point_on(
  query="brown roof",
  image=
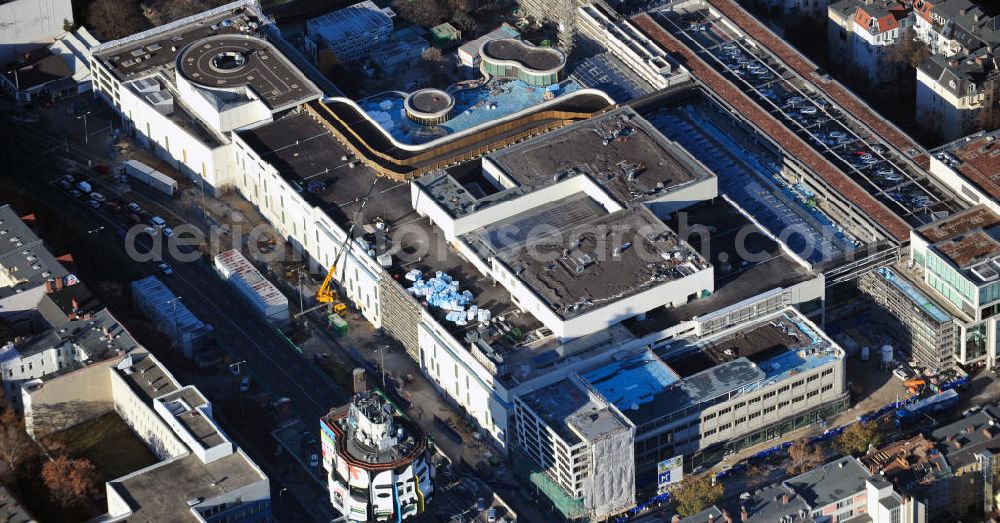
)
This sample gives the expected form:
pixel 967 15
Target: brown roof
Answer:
pixel 807 69
pixel 966 251
pixel 974 218
pixel 981 163
pixel 833 176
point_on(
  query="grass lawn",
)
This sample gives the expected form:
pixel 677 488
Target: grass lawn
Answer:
pixel 110 444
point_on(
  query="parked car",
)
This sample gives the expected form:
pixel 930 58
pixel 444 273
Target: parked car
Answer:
pixel 157 222
pixel 168 232
pixel 309 438
pixel 314 460
pixel 94 204
pixel 75 193
pixel 901 374
pixel 165 269
pixel 245 384
pixel 97 197
pixel 134 207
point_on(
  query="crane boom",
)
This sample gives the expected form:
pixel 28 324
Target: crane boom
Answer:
pixel 326 293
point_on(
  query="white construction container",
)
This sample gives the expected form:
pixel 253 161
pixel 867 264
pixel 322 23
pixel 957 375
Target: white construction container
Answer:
pixel 150 176
pixel 260 293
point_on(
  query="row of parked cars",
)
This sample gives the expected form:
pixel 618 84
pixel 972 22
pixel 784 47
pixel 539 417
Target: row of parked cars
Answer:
pixel 81 187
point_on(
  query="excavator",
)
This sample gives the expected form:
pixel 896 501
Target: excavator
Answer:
pixel 914 386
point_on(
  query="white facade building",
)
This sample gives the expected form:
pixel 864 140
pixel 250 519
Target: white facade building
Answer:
pixel 181 88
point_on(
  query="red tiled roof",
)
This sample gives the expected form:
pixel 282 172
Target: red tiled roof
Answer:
pixel 833 176
pixel 807 69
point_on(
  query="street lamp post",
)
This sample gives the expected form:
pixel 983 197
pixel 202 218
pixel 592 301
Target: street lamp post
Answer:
pixel 86 133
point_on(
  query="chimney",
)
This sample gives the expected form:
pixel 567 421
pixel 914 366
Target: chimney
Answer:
pixel 953 63
pixel 59 283
pixel 744 514
pixel 76 304
pixel 987 433
pixel 711 518
pixel 958 444
pixel 784 499
pixel 726 516
pixel 50 285
pixel 675 519
pixel 360 383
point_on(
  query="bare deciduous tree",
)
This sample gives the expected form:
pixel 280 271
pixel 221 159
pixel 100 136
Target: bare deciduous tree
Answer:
pixel 70 481
pixel 115 18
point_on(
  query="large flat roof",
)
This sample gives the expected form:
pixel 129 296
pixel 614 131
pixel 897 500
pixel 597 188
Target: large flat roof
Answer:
pixel 161 492
pixel 158 48
pixel 718 230
pixel 594 258
pixel 831 482
pixel 620 150
pixel 192 45
pixel 968 239
pixel 305 151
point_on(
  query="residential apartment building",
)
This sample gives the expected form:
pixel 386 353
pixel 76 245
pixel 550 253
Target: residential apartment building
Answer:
pixel 842 491
pixel 953 27
pixel 953 92
pixel 351 33
pixel 200 474
pixel 918 469
pixel 968 446
pixel 862 34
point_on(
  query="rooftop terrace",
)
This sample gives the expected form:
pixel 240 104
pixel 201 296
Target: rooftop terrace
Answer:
pixel 474 105
pixel 514 50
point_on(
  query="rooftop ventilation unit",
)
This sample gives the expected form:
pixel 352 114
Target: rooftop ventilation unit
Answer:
pixel 985 272
pixel 146 85
pixel 162 102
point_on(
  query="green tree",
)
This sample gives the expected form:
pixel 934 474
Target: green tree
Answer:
pixel 68 26
pixel 854 441
pixel 696 493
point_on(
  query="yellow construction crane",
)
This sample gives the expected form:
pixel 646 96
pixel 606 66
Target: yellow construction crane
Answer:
pixel 327 295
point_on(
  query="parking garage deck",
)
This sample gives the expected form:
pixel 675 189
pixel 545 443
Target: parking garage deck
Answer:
pixel 872 176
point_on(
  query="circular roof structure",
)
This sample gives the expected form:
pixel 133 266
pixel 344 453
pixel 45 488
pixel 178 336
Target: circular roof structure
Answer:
pixel 232 61
pixel 429 103
pixel 528 57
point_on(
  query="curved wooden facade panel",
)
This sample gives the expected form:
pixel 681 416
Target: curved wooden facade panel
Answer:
pixel 373 145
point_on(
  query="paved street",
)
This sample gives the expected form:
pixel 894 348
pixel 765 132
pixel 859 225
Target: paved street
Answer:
pixel 269 355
